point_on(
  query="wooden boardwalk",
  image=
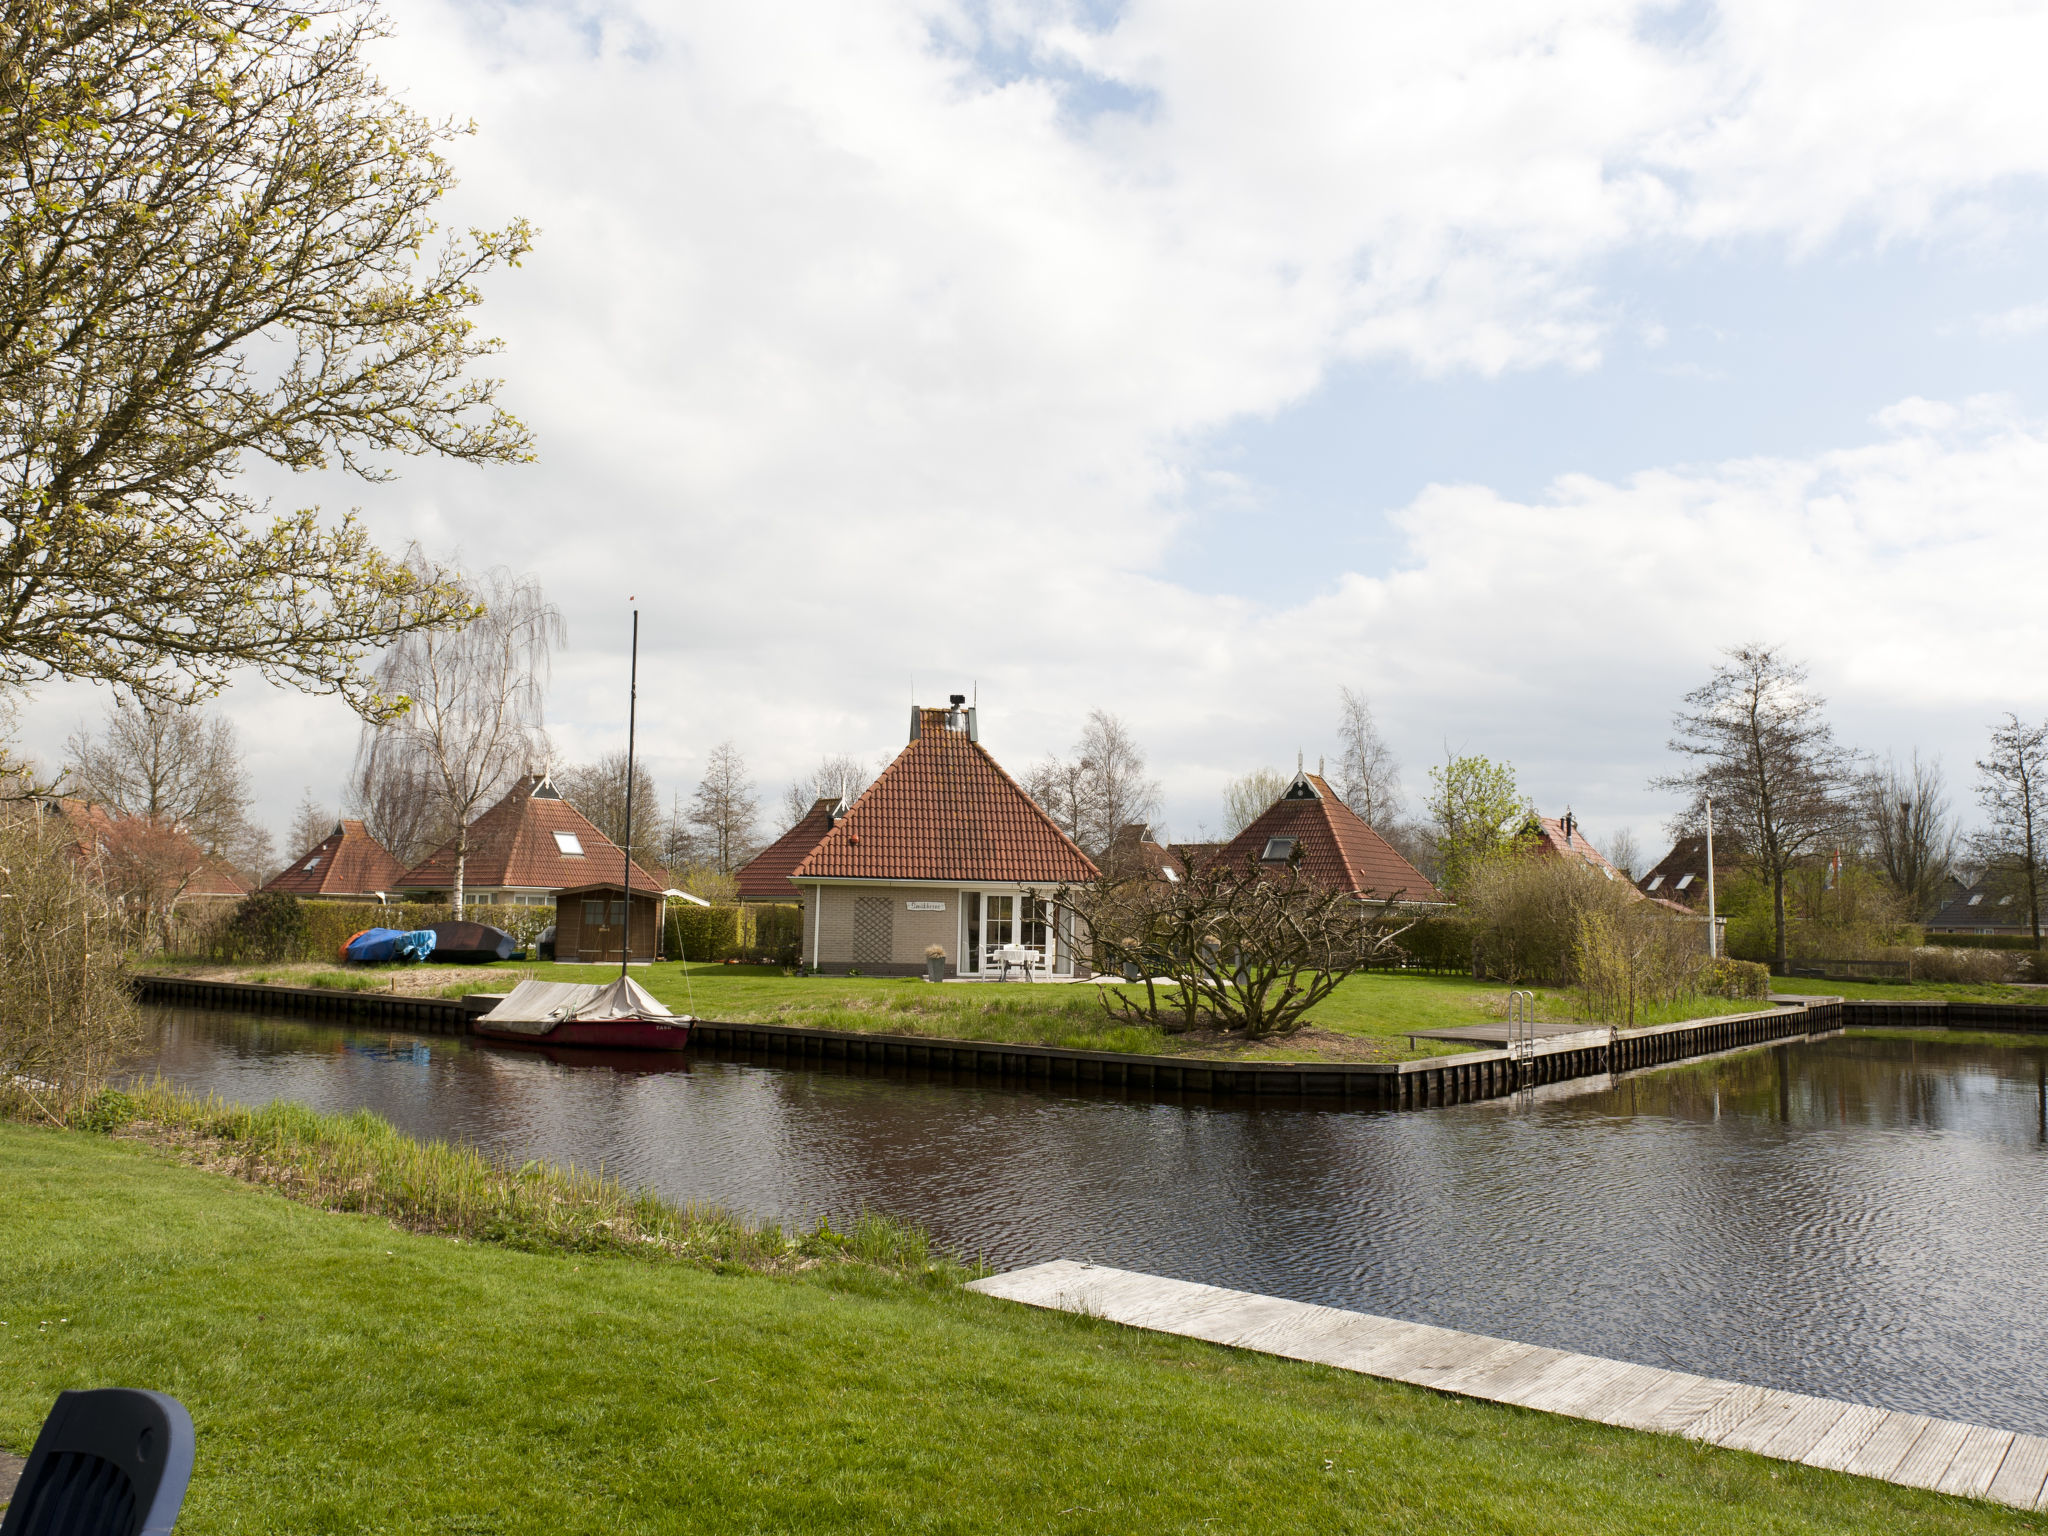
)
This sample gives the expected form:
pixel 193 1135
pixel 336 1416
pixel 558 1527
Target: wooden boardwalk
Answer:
pixel 1905 1448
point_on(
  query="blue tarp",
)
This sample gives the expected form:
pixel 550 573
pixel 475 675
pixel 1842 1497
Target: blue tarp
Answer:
pixel 374 945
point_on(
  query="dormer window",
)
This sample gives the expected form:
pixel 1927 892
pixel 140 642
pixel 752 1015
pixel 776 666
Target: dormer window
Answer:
pixel 569 844
pixel 1655 881
pixel 1683 882
pixel 1278 850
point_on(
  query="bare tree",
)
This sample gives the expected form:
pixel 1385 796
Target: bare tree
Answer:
pixel 1766 756
pixel 725 809
pixel 1247 798
pixel 1368 777
pixel 1232 947
pixel 177 767
pixel 678 842
pixel 477 695
pixel 1625 854
pixel 311 825
pixel 834 776
pixel 1099 790
pixel 1910 830
pixel 598 790
pixel 394 797
pixel 2012 787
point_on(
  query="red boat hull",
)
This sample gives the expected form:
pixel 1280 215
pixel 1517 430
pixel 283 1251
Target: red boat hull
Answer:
pixel 610 1034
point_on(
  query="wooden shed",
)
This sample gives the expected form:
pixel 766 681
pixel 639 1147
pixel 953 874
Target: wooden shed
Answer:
pixel 590 921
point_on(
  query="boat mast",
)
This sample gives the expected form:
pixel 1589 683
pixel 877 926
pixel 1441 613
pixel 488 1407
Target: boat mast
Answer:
pixel 632 708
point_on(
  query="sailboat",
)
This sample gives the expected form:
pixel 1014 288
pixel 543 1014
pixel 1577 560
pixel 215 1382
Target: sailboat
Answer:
pixel 616 1014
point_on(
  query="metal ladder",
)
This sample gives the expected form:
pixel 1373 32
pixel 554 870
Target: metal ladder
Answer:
pixel 1521 1038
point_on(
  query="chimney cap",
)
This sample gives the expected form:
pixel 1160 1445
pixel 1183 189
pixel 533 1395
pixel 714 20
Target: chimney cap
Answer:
pixel 956 699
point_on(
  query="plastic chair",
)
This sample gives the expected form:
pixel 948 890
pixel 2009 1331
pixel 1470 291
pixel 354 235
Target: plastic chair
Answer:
pixel 114 1462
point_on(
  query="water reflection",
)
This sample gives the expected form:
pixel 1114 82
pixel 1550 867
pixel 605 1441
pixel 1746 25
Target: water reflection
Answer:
pixel 1859 1217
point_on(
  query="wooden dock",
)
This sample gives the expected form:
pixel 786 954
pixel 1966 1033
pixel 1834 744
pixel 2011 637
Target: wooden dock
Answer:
pixel 1905 1448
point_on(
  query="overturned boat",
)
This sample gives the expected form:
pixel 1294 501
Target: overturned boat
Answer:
pixel 618 1014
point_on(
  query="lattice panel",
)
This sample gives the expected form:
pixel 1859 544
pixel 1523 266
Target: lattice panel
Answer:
pixel 873 931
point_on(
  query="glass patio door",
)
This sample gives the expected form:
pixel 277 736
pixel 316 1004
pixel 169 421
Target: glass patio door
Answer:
pixel 998 925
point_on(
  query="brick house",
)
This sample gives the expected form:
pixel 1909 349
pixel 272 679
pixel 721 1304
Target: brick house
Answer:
pixel 1338 850
pixel 943 848
pixel 347 865
pixel 524 850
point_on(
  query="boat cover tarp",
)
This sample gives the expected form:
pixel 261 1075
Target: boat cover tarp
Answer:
pixel 535 1007
pixel 472 943
pixel 373 946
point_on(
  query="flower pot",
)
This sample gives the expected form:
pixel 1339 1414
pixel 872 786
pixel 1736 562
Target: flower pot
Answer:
pixel 935 970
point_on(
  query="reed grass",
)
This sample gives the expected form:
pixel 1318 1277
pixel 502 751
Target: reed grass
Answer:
pixel 360 1162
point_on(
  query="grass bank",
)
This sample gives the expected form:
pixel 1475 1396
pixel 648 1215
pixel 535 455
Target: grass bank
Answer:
pixel 1368 1017
pixel 1914 991
pixel 349 1376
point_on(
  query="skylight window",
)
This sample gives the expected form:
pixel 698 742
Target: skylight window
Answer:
pixel 1655 881
pixel 1171 876
pixel 1976 898
pixel 313 862
pixel 570 844
pixel 1683 882
pixel 2005 901
pixel 1278 848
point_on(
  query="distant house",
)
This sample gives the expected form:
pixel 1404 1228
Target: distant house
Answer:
pixel 1338 850
pixel 347 865
pixel 1990 907
pixel 765 877
pixel 1681 875
pixel 526 849
pixel 945 849
pixel 1560 837
pixel 142 861
pixel 1133 853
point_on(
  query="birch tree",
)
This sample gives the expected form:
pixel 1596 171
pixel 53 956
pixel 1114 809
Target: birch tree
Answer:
pixel 1368 776
pixel 217 247
pixel 478 695
pixel 1101 789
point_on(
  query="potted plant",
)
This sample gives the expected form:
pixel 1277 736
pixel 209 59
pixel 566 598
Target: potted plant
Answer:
pixel 935 962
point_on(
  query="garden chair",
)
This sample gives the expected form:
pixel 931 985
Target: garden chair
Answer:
pixel 113 1462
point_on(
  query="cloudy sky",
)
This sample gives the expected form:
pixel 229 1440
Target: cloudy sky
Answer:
pixel 1193 360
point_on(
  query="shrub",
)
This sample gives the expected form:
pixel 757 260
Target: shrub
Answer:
pixel 1438 944
pixel 66 1014
pixel 1736 978
pixel 1631 955
pixel 269 925
pixel 707 934
pixel 1985 966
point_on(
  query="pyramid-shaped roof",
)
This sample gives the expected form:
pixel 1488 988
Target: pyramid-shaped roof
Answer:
pixel 765 877
pixel 1338 850
pixel 532 839
pixel 347 862
pixel 945 810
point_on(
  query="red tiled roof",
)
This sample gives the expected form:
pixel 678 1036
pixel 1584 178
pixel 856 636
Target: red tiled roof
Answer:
pixel 945 810
pixel 96 832
pixel 1549 834
pixel 1337 848
pixel 349 862
pixel 513 844
pixel 765 877
pixel 1132 854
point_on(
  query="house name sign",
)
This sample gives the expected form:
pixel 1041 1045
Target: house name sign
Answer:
pixel 924 906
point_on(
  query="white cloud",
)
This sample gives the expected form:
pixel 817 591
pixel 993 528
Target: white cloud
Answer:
pixel 856 360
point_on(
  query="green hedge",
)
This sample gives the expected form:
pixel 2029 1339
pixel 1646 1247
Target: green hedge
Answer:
pixel 1439 944
pixel 770 934
pixel 1979 940
pixel 1738 978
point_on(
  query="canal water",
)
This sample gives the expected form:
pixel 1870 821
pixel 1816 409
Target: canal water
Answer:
pixel 1863 1217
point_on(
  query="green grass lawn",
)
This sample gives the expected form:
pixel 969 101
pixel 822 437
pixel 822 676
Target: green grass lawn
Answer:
pixel 346 1376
